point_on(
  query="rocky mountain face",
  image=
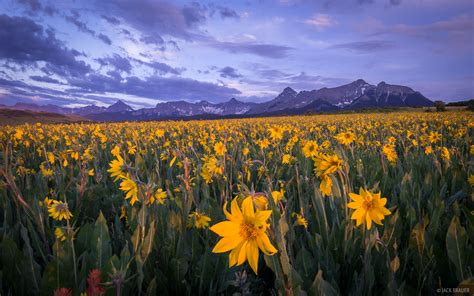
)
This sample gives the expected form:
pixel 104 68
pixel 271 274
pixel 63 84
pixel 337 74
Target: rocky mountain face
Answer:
pixel 386 95
pixel 183 108
pixel 355 95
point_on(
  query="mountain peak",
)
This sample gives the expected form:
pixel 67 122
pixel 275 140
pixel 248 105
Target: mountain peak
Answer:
pixel 289 90
pixel 119 106
pixel 382 83
pixel 360 81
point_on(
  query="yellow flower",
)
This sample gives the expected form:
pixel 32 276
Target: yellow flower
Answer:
pixel 445 154
pixel 60 235
pixel 345 138
pixel 263 143
pixel 300 220
pixel 276 133
pixel 390 153
pixel 434 137
pixel 244 234
pixel 116 151
pixel 428 150
pixel 50 157
pixel 286 159
pixel 219 148
pixel 91 172
pixel 326 186
pixel 471 180
pixel 159 133
pixel 48 202
pixel 278 195
pixel 327 164
pixel 132 149
pixel 199 220
pixel 46 172
pixel 116 166
pixel 368 207
pixel 159 196
pixel 245 151
pixel 260 201
pixel 59 210
pixel 18 134
pixel 130 187
pixel 392 140
pixel 310 149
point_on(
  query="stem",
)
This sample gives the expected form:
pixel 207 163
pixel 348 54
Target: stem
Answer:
pixel 69 231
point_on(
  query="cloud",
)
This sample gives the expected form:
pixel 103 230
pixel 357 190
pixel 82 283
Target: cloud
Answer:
pixel 34 6
pixel 194 14
pixel 321 21
pixel 116 61
pixel 157 18
pixel 276 80
pixel 250 47
pixel 164 68
pixel 224 12
pixel 111 20
pixel 81 26
pixel 45 79
pixel 104 38
pixel 28 43
pixel 366 46
pixel 229 72
pixel 74 19
pixel 160 68
pixel 154 87
pixel 462 24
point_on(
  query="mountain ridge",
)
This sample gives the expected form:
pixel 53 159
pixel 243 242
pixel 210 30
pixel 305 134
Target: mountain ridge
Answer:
pixel 355 95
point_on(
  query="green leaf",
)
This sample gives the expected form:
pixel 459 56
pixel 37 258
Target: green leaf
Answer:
pixel 102 249
pixel 321 287
pixel 456 241
pixel 31 268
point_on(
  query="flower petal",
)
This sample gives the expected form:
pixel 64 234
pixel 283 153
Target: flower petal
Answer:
pixel 252 255
pixel 265 245
pixel 226 228
pixel 227 243
pixel 247 207
pixel 242 254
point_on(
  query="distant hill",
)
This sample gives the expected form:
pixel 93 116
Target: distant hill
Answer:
pixel 13 117
pixel 356 95
pixel 469 104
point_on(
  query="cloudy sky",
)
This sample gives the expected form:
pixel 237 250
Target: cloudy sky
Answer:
pixel 83 52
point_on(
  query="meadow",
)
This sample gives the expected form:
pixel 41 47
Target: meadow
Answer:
pixel 348 204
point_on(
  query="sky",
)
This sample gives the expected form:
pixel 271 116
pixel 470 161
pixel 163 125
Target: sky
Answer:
pixel 76 53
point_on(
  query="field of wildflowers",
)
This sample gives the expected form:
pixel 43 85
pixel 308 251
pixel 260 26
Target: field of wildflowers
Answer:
pixel 349 204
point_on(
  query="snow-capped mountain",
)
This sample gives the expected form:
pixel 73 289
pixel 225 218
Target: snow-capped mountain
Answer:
pixel 183 108
pixel 283 101
pixel 355 95
pixel 387 95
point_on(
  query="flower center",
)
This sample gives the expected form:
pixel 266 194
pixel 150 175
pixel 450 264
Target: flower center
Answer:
pixel 248 230
pixel 368 205
pixel 61 207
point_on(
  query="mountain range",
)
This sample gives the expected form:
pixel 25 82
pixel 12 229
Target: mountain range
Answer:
pixel 355 95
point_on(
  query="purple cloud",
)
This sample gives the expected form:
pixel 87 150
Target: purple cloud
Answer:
pixel 366 46
pixel 116 61
pixel 29 43
pixel 260 49
pixel 229 72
